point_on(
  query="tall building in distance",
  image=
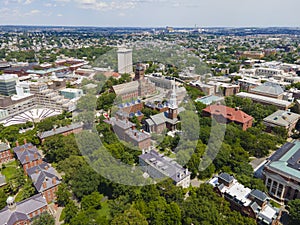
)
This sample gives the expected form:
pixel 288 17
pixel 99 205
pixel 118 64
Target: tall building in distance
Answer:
pixel 8 84
pixel 125 60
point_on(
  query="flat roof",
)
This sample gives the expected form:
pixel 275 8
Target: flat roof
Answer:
pixel 263 99
pixel 282 118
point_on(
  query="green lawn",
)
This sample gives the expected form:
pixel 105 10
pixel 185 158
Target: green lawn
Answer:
pixel 9 170
pixel 18 198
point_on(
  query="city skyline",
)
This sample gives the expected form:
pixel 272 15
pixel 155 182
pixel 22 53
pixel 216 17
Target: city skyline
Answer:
pixel 149 13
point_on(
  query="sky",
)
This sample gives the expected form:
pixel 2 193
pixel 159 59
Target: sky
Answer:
pixel 151 13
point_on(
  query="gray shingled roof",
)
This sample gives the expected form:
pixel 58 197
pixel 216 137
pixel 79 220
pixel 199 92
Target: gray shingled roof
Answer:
pixel 2 180
pixel 27 150
pixel 137 135
pixel 268 88
pixel 126 88
pixel 4 147
pixel 124 124
pixel 261 196
pixel 226 177
pixel 60 130
pixel 23 209
pixel 282 118
pixel 162 117
pixel 43 173
pixel 167 166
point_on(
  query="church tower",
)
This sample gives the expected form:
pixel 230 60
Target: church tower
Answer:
pixel 173 107
pixel 139 72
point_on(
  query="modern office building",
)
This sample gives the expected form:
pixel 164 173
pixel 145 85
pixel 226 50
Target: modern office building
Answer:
pixel 71 93
pixel 281 173
pixel 125 60
pixel 8 84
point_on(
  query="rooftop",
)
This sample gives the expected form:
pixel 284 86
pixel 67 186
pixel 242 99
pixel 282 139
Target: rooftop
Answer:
pixel 23 209
pixel 27 153
pixel 41 174
pixel 60 130
pixel 282 118
pixel 263 99
pixel 228 113
pixel 165 165
pixel 124 124
pixel 208 100
pixel 268 88
pixel 286 160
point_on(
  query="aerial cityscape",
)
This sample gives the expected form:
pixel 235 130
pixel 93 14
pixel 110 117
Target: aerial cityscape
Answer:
pixel 158 112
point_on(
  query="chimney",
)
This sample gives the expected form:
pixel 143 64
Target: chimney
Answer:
pixel 45 184
pixel 54 180
pixel 17 143
pixel 27 158
pixel 35 155
pixel 36 171
pixel 25 141
pixel 46 167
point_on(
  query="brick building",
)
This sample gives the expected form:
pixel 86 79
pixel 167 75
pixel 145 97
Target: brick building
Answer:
pixel 28 155
pixel 22 213
pixel 66 130
pixel 224 114
pixel 5 153
pixel 126 131
pixel 45 179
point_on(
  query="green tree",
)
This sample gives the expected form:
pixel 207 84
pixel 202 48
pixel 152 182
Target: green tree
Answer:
pixel 70 211
pixel 44 219
pixel 294 210
pixel 3 198
pixel 130 216
pixel 91 201
pixel 63 195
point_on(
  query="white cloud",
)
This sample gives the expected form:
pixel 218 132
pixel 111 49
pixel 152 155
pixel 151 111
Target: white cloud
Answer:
pixel 27 2
pixel 105 5
pixel 32 12
pixel 59 15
